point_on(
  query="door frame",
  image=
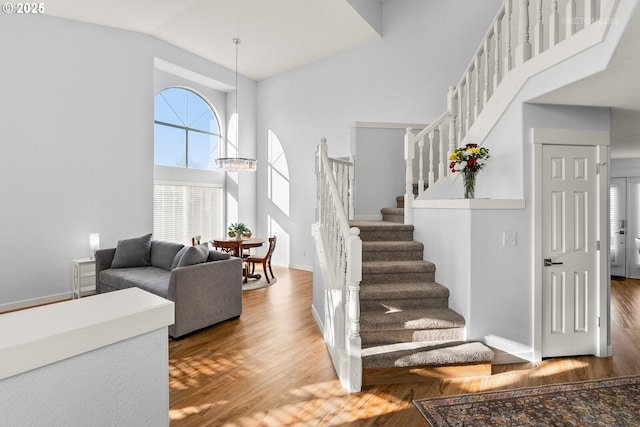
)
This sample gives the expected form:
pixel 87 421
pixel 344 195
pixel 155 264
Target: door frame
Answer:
pixel 600 140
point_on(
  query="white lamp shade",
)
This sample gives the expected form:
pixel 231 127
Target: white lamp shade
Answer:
pixel 94 241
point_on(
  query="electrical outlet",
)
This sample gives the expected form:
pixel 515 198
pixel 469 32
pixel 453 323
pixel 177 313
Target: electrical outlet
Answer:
pixel 509 238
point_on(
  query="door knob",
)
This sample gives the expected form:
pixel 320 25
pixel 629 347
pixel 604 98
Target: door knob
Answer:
pixel 549 263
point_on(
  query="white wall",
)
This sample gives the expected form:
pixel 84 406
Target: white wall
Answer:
pixel 76 125
pixel 380 167
pixel 124 383
pixel 403 77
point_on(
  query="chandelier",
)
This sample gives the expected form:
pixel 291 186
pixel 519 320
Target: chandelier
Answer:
pixel 236 164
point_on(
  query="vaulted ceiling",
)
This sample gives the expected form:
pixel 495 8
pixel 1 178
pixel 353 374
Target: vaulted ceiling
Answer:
pixel 277 35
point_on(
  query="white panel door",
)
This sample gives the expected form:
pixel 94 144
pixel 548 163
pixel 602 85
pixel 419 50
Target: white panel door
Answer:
pixel 569 284
pixel 617 226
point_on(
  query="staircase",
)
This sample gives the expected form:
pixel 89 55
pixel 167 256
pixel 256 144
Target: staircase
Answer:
pixel 405 319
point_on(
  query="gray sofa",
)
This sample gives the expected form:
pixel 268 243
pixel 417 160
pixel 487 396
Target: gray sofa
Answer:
pixel 205 285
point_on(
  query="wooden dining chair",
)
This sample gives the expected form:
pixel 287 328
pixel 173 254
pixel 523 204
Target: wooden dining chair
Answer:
pixel 195 240
pixel 265 260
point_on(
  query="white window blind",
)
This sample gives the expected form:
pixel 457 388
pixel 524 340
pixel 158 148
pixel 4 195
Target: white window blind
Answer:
pixel 614 219
pixel 181 211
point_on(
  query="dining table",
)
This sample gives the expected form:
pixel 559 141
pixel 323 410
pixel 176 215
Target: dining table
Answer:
pixel 236 248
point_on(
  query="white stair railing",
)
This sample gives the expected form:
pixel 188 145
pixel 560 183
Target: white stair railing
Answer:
pixel 505 48
pixel 339 252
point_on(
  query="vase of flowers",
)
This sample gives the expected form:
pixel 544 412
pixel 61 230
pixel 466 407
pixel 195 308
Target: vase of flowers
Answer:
pixel 469 160
pixel 238 230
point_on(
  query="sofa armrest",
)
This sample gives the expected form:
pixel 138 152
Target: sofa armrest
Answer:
pixel 104 258
pixel 205 294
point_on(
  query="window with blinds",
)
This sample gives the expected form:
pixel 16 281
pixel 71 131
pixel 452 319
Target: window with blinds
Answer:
pixel 181 211
pixel 614 220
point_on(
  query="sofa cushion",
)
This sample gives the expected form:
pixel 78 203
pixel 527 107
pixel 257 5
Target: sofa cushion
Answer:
pixel 151 279
pixel 163 253
pixel 134 252
pixel 194 255
pixel 178 257
pixel 217 255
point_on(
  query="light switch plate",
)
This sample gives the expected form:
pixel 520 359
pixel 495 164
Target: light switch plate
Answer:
pixel 509 238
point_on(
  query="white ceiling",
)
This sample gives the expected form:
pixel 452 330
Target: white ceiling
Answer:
pixel 277 35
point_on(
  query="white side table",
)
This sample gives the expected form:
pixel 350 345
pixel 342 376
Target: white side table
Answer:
pixel 84 276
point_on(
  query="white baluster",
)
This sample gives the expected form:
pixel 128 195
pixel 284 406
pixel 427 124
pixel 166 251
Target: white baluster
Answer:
pixel 554 24
pixel 451 105
pixel 420 166
pixel 441 152
pixel 571 18
pixel 538 41
pixel 352 188
pixel 476 103
pixel 507 36
pixel 496 54
pixel 431 167
pixel 409 144
pixel 487 70
pixel 589 12
pixel 461 119
pixel 523 50
pixel 469 96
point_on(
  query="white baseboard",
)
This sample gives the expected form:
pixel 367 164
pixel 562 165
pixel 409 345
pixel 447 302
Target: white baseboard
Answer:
pixel 18 305
pixel 317 317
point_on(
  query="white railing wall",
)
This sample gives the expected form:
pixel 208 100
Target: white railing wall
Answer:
pixel 522 30
pixel 341 249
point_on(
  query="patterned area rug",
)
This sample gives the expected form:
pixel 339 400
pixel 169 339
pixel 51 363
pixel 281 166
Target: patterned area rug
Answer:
pixel 609 402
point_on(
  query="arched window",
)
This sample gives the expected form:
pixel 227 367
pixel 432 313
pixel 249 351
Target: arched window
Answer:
pixel 187 132
pixel 278 186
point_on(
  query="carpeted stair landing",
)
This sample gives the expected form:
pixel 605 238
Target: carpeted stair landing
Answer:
pixel 405 319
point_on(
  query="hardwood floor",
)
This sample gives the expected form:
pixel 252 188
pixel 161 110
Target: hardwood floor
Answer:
pixel 270 367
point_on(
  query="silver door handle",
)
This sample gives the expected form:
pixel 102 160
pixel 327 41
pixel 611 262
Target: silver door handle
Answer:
pixel 549 263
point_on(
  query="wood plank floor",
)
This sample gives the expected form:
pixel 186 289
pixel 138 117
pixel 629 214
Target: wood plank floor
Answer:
pixel 270 367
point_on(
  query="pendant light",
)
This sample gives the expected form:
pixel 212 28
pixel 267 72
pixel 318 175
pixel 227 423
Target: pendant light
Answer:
pixel 236 164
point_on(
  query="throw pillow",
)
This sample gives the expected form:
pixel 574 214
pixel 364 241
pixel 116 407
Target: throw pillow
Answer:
pixel 164 253
pixel 178 257
pixel 217 255
pixel 194 255
pixel 134 252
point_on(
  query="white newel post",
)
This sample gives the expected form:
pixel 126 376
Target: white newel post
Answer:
pixel 554 23
pixel 539 30
pixel 354 277
pixel 523 50
pixel 409 147
pixel 451 106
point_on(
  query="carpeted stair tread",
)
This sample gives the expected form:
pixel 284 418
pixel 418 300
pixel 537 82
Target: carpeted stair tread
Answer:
pixel 429 353
pixel 392 211
pixel 411 266
pixel 384 225
pixel 391 291
pixel 392 246
pixel 430 318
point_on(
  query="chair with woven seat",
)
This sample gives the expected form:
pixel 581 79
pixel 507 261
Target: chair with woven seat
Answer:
pixel 265 260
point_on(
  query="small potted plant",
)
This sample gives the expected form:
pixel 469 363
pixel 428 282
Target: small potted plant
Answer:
pixel 239 230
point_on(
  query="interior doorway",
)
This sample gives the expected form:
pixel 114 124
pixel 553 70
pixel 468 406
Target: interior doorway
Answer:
pixel 618 226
